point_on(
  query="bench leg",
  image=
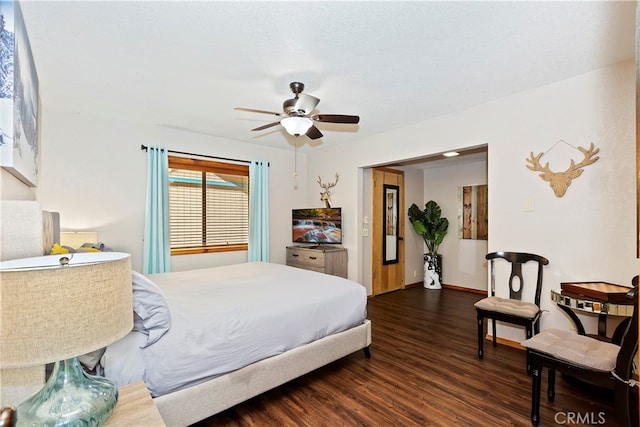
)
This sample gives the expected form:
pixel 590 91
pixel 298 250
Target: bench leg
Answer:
pixel 495 335
pixel 480 337
pixel 529 335
pixel 551 387
pixel 536 379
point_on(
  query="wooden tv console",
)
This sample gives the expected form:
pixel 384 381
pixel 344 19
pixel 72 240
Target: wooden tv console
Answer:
pixel 323 259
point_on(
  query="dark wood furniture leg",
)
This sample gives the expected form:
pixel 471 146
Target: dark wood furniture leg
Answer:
pixel 495 333
pixel 529 330
pixel 536 380
pixel 551 389
pixel 574 318
pixel 616 338
pixel 367 352
pixel 480 337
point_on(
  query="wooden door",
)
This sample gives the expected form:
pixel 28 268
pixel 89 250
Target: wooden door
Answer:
pixel 387 230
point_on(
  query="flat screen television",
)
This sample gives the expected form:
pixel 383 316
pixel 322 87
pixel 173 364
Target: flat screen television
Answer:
pixel 317 225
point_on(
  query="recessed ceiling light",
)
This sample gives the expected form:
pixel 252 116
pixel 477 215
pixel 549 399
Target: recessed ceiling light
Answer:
pixel 451 154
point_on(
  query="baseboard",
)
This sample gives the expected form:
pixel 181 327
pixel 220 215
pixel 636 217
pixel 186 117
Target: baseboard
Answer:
pixel 463 289
pixel 505 342
pixel 453 287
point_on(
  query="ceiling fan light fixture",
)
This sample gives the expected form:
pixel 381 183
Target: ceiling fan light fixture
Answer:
pixel 296 125
pixel 298 115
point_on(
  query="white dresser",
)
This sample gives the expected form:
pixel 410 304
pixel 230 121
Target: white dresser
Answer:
pixel 323 259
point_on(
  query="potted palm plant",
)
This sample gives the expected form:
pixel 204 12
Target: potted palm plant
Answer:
pixel 430 224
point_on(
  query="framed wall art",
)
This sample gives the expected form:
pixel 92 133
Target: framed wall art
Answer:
pixel 390 233
pixel 18 98
pixel 472 212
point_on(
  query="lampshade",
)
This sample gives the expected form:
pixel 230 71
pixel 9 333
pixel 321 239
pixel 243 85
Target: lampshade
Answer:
pixel 51 312
pixel 296 125
pixel 58 307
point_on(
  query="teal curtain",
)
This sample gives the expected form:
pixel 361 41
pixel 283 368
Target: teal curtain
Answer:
pixel 157 253
pixel 258 211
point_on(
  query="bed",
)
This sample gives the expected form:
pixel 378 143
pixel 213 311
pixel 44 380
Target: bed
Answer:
pixel 255 326
pixel 235 331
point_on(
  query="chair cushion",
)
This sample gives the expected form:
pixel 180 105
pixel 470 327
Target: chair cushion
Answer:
pixel 577 349
pixel 514 307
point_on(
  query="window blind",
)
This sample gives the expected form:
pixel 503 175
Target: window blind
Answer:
pixel 208 205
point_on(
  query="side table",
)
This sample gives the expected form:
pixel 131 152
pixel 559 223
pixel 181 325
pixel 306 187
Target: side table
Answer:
pixel 135 408
pixel 602 299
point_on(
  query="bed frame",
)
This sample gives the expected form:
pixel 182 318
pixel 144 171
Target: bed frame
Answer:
pixel 35 232
pixel 198 402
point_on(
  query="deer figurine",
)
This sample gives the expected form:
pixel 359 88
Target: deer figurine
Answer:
pixel 325 196
pixel 560 181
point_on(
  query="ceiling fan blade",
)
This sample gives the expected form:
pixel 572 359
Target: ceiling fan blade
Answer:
pixel 267 126
pixel 314 133
pixel 253 110
pixel 306 103
pixel 335 118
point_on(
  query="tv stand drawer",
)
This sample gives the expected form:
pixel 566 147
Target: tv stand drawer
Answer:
pixel 321 259
pixel 306 257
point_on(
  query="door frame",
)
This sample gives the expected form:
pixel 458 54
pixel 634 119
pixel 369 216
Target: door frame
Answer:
pixel 386 274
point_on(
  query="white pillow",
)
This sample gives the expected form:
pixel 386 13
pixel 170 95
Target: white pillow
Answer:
pixel 123 362
pixel 150 305
pixel 90 360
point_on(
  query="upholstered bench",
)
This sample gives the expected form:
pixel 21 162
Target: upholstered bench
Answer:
pixel 524 309
pixel 590 359
pixel 580 350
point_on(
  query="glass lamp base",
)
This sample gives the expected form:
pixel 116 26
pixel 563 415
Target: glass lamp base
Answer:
pixel 70 398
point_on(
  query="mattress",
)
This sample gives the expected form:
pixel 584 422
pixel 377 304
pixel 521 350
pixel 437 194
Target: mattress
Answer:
pixel 225 318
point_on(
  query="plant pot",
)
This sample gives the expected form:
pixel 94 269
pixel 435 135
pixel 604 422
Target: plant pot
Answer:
pixel 432 271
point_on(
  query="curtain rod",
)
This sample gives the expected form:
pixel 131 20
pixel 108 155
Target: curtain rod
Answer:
pixel 145 148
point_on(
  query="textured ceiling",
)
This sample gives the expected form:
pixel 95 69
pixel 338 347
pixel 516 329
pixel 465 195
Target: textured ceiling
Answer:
pixel 187 64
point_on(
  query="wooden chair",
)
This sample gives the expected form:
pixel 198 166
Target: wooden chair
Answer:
pixel 511 310
pixel 589 359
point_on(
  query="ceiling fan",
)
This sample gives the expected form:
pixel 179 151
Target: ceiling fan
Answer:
pixel 296 116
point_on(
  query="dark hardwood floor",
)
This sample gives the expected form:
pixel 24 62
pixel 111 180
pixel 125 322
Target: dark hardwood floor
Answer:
pixel 423 372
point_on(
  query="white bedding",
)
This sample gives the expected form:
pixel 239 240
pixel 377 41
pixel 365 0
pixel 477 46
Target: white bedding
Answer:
pixel 228 317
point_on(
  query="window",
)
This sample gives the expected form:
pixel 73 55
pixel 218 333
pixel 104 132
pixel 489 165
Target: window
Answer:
pixel 208 206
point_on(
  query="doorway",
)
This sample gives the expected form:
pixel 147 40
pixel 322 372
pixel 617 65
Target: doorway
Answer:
pixel 426 178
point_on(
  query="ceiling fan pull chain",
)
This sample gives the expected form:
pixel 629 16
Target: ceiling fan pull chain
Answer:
pixel 295 160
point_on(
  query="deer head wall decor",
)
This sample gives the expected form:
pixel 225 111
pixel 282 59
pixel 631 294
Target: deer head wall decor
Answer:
pixel 325 196
pixel 560 181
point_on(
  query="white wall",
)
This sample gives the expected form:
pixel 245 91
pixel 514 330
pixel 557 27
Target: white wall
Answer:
pixel 588 234
pixel 11 188
pixel 94 173
pixel 463 262
pixel 414 246
pixel 362 258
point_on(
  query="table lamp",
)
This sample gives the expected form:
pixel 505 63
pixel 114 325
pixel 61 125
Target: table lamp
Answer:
pixel 53 309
